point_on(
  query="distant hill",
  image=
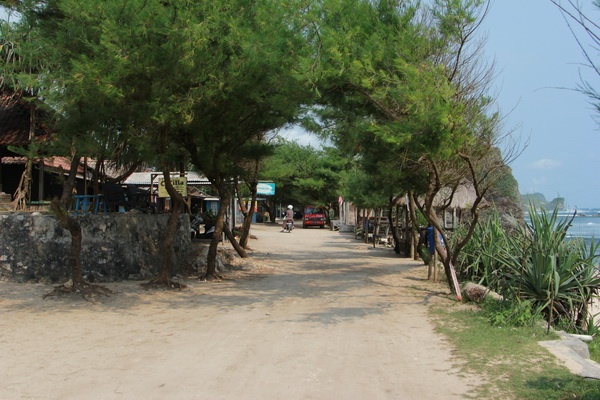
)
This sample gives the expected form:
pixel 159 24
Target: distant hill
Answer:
pixel 539 200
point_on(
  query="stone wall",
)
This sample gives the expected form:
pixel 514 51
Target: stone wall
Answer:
pixel 116 246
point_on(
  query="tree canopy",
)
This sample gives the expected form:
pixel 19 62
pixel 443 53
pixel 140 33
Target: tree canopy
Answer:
pixel 396 85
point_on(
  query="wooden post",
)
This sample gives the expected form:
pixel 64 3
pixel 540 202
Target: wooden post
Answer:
pixel 430 267
pixel 435 267
pixel 436 238
pixel 40 180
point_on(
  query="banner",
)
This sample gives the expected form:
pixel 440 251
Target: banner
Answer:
pixel 266 188
pixel 179 183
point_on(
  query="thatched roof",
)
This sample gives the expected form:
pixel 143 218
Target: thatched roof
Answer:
pixel 463 197
pixel 15 120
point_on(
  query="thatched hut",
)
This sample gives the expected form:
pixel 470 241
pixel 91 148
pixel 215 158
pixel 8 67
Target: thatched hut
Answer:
pixel 455 205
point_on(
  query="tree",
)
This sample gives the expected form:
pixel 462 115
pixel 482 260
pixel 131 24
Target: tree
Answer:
pixel 587 35
pixel 47 73
pixel 406 92
pixel 179 80
pixel 257 50
pixel 305 175
pixel 251 188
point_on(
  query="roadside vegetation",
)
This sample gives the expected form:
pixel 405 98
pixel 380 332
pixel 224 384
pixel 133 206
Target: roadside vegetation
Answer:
pixel 399 88
pixel 536 268
pixel 546 282
pixel 509 357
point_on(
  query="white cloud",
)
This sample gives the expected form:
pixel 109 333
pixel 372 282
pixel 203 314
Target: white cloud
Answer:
pixel 301 136
pixel 546 163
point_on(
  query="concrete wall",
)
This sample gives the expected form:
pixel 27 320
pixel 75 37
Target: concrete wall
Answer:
pixel 116 246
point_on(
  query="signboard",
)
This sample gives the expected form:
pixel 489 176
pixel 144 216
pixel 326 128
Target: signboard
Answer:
pixel 179 183
pixel 265 188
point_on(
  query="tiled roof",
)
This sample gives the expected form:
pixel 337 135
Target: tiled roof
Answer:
pixel 52 163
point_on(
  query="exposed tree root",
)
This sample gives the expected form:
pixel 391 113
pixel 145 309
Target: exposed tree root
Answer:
pixel 164 284
pixel 212 277
pixel 85 289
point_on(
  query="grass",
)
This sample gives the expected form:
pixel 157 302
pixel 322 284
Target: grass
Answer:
pixel 510 359
pixel 594 347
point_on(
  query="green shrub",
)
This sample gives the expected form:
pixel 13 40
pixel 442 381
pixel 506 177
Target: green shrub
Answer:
pixel 510 312
pixel 594 347
pixel 558 277
pixel 478 261
pixel 535 269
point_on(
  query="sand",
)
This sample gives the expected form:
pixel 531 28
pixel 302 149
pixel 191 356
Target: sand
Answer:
pixel 315 315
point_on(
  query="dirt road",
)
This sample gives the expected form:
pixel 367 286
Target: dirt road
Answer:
pixel 319 316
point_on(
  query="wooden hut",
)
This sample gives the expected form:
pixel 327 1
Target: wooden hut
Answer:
pixel 455 205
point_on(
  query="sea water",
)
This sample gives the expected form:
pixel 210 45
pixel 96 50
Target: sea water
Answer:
pixel 585 225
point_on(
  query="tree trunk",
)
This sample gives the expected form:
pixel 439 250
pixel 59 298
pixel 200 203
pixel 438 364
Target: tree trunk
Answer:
pixel 366 214
pixel 60 208
pixel 416 235
pixel 248 215
pixel 240 250
pixel 211 261
pixel 23 192
pixel 390 215
pixel 166 243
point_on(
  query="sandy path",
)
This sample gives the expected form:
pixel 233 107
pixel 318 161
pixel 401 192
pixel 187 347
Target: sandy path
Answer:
pixel 322 316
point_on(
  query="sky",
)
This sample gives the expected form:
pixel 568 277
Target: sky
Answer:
pixel 538 62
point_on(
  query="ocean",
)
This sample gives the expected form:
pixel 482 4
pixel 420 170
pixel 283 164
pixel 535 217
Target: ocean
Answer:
pixel 585 225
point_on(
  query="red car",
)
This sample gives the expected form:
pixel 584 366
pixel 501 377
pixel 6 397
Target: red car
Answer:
pixel 314 216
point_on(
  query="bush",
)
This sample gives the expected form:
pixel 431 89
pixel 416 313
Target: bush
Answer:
pixel 535 269
pixel 559 277
pixel 510 313
pixel 478 261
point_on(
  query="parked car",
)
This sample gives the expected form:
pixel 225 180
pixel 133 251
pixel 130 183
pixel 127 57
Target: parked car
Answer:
pixel 314 216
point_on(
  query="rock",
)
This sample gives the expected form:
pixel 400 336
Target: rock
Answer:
pixel 478 293
pixel 584 338
pixel 575 355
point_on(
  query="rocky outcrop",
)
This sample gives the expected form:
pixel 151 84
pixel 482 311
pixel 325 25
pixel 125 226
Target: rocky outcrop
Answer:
pixel 574 353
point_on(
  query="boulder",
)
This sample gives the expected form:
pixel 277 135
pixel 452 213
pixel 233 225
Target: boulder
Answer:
pixel 477 293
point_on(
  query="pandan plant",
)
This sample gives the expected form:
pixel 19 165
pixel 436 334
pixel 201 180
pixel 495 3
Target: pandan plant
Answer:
pixel 559 277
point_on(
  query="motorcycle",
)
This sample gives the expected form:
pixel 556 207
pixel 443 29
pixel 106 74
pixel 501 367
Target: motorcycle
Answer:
pixel 208 233
pixel 195 226
pixel 288 226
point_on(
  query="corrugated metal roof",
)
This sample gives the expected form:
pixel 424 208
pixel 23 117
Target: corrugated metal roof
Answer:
pixel 145 178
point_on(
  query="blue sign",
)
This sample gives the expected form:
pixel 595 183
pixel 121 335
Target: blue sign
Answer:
pixel 266 188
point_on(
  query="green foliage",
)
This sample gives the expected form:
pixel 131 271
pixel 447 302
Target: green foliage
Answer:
pixel 507 313
pixel 386 99
pixel 592 327
pixel 522 368
pixel 478 261
pixel 304 175
pixel 594 347
pixel 363 190
pixel 506 186
pixel 557 276
pixel 536 265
